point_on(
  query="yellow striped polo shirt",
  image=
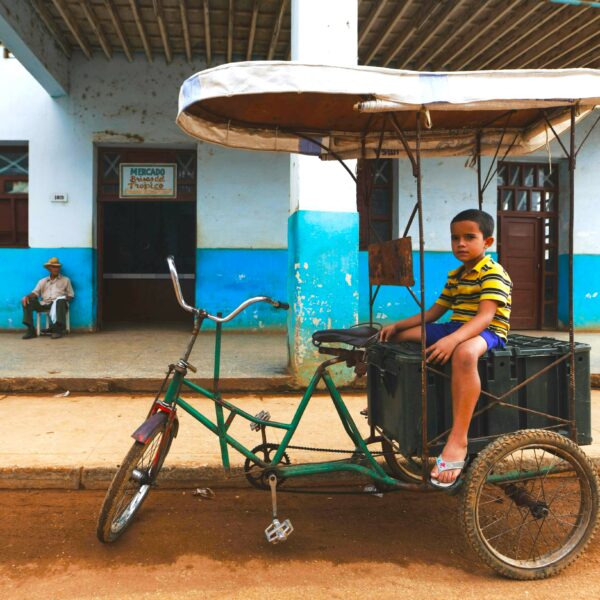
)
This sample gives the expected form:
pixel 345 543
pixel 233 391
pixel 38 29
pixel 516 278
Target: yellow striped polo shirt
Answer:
pixel 487 280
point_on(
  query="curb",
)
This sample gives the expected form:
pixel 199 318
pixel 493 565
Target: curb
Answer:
pixel 99 478
pixel 281 383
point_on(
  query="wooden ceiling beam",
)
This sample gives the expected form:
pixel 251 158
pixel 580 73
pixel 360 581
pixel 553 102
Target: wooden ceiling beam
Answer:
pixel 116 21
pixel 581 59
pixel 590 32
pixel 252 30
pixel 453 33
pixel 52 27
pixel 185 26
pixel 277 29
pixel 162 27
pixel 137 17
pixel 374 49
pixel 366 26
pixel 559 42
pixel 71 23
pixel 436 22
pixel 230 31
pixel 517 36
pixel 95 25
pixel 207 40
pixel 462 45
pixel 506 28
pixel 519 52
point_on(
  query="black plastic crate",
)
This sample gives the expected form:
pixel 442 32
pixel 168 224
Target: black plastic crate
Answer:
pixel 394 391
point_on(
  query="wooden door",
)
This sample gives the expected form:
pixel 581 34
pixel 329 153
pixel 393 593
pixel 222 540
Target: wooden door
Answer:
pixel 136 234
pixel 521 256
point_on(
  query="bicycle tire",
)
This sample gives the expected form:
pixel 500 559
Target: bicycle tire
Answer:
pixel 115 518
pixel 403 468
pixel 528 472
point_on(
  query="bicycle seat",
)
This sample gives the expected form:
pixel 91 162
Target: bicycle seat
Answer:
pixel 359 337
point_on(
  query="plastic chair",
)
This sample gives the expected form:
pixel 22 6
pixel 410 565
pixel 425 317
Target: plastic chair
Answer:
pixel 47 314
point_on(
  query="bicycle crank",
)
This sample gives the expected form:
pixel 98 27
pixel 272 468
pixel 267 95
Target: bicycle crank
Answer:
pixel 277 531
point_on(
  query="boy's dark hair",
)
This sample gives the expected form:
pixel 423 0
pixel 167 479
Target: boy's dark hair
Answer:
pixel 483 219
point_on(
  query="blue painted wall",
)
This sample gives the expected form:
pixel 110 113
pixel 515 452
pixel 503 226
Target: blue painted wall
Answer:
pixel 227 277
pixel 586 291
pixel 323 287
pixel 22 268
pixel 393 303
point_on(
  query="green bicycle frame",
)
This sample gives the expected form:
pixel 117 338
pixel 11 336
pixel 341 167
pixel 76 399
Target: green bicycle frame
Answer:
pixel 220 428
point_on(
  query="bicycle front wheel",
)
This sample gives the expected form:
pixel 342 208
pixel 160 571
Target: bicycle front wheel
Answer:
pixel 132 483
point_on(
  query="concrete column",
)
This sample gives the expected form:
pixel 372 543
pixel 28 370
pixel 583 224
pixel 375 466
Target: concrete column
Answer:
pixel 323 222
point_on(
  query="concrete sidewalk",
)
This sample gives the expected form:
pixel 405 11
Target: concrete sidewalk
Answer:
pixel 133 358
pixel 78 441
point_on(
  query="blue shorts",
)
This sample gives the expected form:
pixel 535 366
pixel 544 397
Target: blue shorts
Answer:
pixel 437 331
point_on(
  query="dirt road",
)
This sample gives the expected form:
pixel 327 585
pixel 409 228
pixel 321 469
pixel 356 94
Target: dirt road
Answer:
pixel 403 545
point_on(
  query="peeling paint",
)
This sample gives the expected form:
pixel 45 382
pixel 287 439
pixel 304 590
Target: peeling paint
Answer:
pixel 348 279
pixel 114 136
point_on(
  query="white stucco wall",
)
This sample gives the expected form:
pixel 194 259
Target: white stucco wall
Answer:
pixel 122 103
pixel 119 103
pixel 447 188
pixel 243 198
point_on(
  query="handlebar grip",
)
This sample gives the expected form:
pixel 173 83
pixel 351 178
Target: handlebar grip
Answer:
pixel 282 305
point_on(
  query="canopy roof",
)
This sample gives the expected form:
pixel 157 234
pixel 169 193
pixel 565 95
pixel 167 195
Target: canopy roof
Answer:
pixel 282 106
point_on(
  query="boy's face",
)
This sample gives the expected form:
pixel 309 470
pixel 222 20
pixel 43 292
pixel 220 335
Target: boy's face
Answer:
pixel 468 243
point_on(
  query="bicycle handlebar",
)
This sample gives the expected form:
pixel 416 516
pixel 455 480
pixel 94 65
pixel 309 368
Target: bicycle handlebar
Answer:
pixel 232 314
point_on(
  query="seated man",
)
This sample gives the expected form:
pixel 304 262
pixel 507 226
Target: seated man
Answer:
pixel 51 294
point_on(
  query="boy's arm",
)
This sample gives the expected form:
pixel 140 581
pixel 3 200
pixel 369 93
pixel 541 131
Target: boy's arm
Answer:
pixel 442 350
pixel 431 314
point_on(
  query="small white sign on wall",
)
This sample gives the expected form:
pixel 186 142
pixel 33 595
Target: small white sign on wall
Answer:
pixel 138 180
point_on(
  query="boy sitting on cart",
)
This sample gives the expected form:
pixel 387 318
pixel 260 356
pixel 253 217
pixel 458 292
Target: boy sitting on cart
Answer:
pixel 479 294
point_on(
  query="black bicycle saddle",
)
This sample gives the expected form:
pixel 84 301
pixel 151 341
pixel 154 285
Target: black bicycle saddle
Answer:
pixel 359 337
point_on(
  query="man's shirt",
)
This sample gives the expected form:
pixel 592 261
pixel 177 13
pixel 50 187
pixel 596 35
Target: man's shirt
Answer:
pixel 50 289
pixel 487 280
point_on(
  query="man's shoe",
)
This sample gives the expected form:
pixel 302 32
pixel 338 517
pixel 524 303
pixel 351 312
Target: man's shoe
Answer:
pixel 47 331
pixel 57 333
pixel 30 333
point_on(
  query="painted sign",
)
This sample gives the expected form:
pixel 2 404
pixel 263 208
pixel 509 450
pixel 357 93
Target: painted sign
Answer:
pixel 137 180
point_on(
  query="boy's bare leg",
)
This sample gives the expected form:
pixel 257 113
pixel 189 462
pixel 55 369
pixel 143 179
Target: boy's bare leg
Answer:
pixel 466 387
pixel 408 335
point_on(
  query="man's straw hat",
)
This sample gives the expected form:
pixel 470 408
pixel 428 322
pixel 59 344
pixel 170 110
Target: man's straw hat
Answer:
pixel 53 262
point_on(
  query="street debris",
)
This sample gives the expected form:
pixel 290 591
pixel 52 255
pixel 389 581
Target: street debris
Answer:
pixel 204 493
pixel 63 395
pixel 371 489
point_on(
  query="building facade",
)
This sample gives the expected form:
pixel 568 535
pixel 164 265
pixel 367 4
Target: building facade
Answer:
pixel 65 145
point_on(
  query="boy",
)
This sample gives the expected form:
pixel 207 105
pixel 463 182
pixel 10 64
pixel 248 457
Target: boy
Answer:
pixel 479 294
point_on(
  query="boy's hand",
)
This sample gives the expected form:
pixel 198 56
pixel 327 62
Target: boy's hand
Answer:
pixel 442 350
pixel 387 333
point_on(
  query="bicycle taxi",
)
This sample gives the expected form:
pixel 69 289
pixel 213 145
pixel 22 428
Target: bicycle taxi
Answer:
pixel 529 495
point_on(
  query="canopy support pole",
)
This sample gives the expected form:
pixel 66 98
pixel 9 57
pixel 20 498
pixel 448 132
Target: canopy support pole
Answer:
pixel 572 159
pixel 479 188
pixel 424 426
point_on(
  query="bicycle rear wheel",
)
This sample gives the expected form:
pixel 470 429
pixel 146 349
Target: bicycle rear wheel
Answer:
pixel 530 504
pixel 132 483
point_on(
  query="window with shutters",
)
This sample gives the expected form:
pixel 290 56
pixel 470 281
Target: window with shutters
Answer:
pixel 14 194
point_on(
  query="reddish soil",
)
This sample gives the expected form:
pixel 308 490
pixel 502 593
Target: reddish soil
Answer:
pixel 403 545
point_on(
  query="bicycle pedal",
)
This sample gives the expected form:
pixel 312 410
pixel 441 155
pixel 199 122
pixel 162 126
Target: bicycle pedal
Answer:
pixel 278 532
pixel 263 415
